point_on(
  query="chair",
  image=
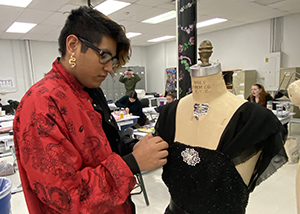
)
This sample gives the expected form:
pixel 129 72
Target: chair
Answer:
pixel 140 184
pixel 139 177
pixel 145 102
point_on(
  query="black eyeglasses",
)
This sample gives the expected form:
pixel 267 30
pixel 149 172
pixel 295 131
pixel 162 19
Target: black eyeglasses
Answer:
pixel 105 57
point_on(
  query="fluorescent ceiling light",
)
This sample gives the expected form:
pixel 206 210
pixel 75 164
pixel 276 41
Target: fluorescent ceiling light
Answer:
pixel 132 34
pixel 160 38
pixel 210 22
pixel 15 3
pixel 161 18
pixel 110 6
pixel 20 27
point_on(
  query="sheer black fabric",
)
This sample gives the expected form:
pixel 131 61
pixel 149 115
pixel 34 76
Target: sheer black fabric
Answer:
pixel 214 185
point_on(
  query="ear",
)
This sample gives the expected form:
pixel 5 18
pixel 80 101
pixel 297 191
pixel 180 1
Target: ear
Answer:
pixel 72 44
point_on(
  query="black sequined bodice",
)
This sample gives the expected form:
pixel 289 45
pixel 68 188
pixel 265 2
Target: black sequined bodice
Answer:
pixel 212 186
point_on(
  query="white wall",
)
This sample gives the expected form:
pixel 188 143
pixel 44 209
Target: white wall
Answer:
pixel 43 55
pixel 243 47
pixel 14 64
pixel 291 41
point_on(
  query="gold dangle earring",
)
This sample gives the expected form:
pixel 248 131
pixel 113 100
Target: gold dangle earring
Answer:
pixel 72 60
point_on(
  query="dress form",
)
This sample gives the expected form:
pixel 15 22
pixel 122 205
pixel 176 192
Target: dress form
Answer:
pixel 294 95
pixel 209 89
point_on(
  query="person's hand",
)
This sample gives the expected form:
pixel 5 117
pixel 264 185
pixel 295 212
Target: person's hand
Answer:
pixel 126 72
pixel 150 152
pixel 131 72
pixel 127 110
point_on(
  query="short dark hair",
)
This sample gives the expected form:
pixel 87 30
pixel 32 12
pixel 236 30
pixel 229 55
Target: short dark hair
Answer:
pixel 133 95
pixel 171 94
pixel 92 25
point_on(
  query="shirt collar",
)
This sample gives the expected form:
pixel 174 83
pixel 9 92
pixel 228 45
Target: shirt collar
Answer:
pixel 69 79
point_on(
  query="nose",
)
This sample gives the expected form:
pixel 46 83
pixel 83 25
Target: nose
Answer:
pixel 108 67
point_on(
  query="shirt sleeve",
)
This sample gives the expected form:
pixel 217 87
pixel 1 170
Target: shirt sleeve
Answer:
pixel 122 79
pixel 57 168
pixel 122 102
pixel 137 78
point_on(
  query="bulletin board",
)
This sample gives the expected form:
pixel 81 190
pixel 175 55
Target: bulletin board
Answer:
pixel 171 81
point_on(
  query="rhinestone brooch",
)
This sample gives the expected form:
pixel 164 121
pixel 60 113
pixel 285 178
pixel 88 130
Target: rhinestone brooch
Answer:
pixel 190 156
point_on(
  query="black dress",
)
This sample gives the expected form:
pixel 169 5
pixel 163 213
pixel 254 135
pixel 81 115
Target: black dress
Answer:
pixel 206 181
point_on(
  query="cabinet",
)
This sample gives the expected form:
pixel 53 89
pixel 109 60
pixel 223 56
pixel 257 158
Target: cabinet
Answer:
pixel 287 76
pixel 242 80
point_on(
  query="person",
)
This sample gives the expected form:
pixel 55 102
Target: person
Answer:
pixel 133 106
pixel 170 97
pixel 13 106
pixel 71 156
pixel 130 80
pixel 220 145
pixel 294 95
pixel 259 95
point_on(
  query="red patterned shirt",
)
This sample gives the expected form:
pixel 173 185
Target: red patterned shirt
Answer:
pixel 65 161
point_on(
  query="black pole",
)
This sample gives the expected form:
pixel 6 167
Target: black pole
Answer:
pixel 89 3
pixel 187 42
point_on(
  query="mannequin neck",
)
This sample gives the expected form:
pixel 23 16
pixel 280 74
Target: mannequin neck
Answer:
pixel 208 88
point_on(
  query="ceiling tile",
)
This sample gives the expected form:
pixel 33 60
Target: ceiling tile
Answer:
pixel 129 12
pixel 52 5
pixel 4 25
pixel 11 35
pixel 169 6
pixel 43 29
pixel 33 16
pixel 152 2
pixel 32 36
pixel 57 19
pixel 292 6
pixel 52 17
pixel 10 13
pixel 141 16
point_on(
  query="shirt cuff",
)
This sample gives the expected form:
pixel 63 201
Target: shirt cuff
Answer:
pixel 132 164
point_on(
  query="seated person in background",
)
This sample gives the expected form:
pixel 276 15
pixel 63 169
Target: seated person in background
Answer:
pixel 130 80
pixel 170 97
pixel 13 106
pixel 259 95
pixel 133 106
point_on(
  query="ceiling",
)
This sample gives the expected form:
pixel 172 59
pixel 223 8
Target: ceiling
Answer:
pixel 50 15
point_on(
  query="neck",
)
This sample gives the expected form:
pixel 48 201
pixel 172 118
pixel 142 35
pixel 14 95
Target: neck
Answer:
pixel 208 88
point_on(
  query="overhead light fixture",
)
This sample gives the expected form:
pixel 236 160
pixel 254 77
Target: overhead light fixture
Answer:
pixel 20 27
pixel 132 34
pixel 110 6
pixel 210 22
pixel 15 3
pixel 161 18
pixel 161 38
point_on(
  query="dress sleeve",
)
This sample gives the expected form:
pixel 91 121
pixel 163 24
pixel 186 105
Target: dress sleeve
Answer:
pixel 254 128
pixel 56 165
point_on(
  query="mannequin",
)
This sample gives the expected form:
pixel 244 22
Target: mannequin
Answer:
pixel 207 123
pixel 294 95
